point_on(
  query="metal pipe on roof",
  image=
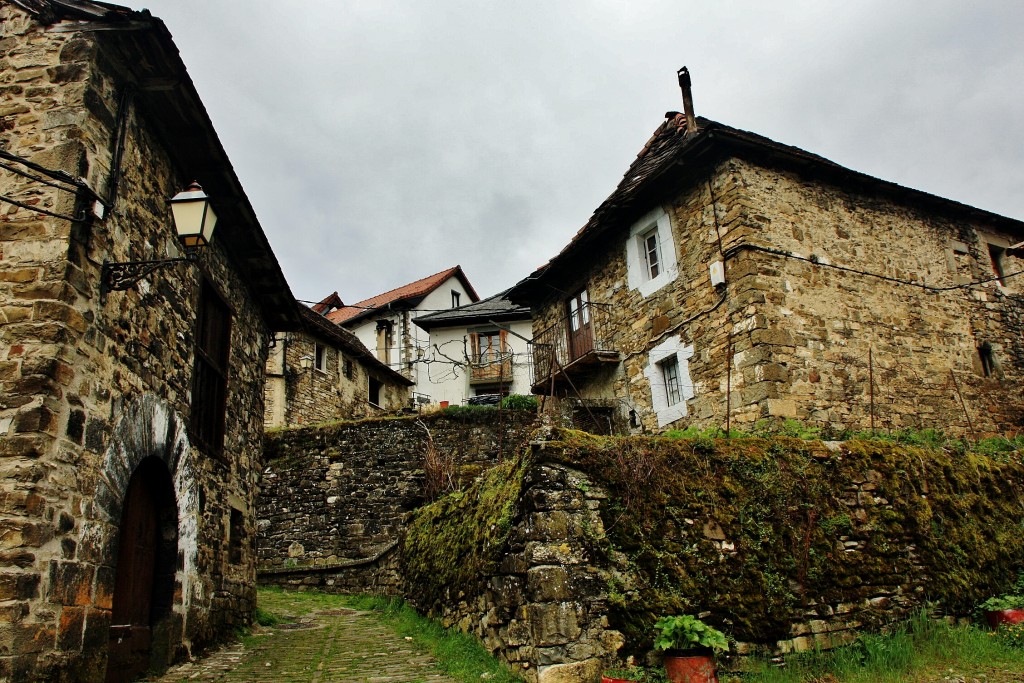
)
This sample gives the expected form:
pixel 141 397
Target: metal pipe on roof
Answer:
pixel 684 85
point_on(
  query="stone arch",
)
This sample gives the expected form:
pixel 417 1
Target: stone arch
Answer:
pixel 149 428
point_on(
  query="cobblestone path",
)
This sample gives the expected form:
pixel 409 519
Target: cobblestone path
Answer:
pixel 321 647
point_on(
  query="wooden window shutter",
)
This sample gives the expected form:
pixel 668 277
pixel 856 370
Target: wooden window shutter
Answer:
pixel 474 345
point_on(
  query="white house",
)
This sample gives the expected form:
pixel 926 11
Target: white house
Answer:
pixel 476 350
pixel 383 323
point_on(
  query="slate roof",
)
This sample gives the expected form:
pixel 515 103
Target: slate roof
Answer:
pixel 496 308
pixel 406 296
pixel 166 95
pixel 673 156
pixel 319 326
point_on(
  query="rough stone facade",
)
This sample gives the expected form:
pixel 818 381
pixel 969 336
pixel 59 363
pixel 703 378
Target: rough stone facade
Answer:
pixel 846 303
pixel 333 499
pixel 96 388
pixel 314 378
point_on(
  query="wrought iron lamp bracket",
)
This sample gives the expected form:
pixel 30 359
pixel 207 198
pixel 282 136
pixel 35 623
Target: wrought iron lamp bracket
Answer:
pixel 117 277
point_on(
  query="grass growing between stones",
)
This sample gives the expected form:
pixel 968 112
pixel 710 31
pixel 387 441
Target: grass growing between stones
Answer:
pixel 458 655
pixel 921 650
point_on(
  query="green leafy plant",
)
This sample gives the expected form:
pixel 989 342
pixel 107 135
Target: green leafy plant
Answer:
pixel 633 673
pixel 1011 600
pixel 519 402
pixel 687 632
pixel 1003 602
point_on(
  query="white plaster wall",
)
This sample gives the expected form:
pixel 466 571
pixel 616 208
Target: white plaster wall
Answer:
pixel 444 380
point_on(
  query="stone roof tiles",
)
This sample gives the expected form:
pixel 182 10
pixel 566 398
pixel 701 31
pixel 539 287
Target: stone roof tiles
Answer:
pixel 496 308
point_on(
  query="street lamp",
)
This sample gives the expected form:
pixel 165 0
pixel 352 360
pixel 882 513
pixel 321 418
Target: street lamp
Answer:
pixel 194 220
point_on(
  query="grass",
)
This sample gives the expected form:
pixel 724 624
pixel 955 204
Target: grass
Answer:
pixel 920 650
pixel 459 655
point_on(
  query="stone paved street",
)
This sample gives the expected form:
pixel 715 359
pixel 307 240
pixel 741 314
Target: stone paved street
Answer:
pixel 322 646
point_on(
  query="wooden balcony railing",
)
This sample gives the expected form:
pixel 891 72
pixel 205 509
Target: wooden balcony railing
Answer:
pixel 491 370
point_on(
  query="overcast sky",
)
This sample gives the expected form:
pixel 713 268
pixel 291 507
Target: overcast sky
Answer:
pixel 385 140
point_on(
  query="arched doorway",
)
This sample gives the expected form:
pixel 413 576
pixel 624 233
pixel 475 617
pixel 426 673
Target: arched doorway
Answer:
pixel 144 574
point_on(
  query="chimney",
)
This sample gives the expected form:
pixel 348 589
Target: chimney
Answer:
pixel 684 85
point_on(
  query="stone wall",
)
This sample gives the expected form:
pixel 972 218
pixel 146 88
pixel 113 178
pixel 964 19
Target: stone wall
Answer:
pixel 90 386
pixel 786 545
pixel 334 499
pixel 791 338
pixel 299 394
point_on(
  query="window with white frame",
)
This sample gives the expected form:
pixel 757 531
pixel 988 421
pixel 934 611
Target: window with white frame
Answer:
pixel 652 260
pixel 320 357
pixel 668 373
pixel 651 253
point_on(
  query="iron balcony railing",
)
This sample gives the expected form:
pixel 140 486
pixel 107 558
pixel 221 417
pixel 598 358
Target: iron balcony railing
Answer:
pixel 576 341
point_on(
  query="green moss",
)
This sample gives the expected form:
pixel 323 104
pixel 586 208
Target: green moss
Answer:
pixel 458 541
pixel 950 522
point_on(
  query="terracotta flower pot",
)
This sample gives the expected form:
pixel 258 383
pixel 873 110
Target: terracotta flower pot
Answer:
pixel 691 667
pixel 1005 616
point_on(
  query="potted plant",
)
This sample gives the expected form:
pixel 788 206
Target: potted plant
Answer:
pixel 1007 608
pixel 690 646
pixel 632 673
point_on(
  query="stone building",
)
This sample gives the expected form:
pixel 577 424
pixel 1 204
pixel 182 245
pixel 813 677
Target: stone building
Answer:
pixel 322 372
pixel 478 351
pixel 383 323
pixel 730 278
pixel 131 419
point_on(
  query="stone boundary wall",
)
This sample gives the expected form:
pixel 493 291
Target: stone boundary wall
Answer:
pixel 334 499
pixel 545 610
pixel 566 602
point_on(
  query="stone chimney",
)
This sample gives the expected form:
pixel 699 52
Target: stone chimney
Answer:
pixel 684 85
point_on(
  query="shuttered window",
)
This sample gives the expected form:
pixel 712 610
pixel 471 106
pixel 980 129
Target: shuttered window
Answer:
pixel 210 378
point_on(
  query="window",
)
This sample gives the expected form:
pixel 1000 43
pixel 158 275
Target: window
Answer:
pixel 998 256
pixel 986 354
pixel 235 536
pixel 347 368
pixel 487 347
pixel 384 341
pixel 670 375
pixel 456 297
pixel 375 385
pixel 210 375
pixel 649 244
pixel 651 253
pixel 320 357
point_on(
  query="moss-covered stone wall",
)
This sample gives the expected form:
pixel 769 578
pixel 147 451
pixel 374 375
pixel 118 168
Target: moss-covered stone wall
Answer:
pixel 784 544
pixel 334 498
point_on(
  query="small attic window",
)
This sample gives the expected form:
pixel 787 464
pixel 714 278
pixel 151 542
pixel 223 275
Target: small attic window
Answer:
pixel 998 256
pixel 986 354
pixel 456 297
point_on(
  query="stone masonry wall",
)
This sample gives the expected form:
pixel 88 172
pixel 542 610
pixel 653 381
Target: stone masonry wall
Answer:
pixel 793 339
pixel 88 387
pixel 580 581
pixel 333 499
pixel 311 396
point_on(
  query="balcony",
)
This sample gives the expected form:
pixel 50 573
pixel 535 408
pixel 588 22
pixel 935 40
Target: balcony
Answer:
pixel 491 369
pixel 573 348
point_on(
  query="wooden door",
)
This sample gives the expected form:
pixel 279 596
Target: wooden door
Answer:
pixel 581 333
pixel 130 630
